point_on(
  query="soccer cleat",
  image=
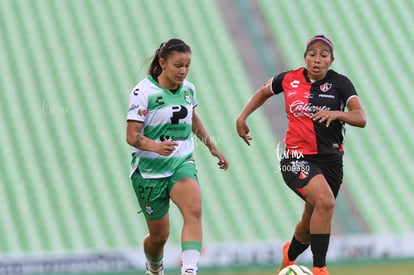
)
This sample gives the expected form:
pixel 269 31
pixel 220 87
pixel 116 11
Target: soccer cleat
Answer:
pixel 320 271
pixel 285 258
pixel 190 271
pixel 149 271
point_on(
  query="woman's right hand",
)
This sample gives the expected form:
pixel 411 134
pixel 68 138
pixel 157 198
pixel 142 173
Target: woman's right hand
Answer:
pixel 166 148
pixel 243 130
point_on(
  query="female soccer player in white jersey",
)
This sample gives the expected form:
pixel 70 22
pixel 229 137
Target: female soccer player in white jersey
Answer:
pixel 160 121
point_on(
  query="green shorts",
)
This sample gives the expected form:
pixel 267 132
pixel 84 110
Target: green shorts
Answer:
pixel 154 194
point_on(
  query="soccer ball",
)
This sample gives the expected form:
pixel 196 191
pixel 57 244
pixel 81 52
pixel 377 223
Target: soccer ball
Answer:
pixel 295 270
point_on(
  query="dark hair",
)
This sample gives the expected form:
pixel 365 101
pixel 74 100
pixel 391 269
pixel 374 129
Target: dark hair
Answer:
pixel 165 49
pixel 322 38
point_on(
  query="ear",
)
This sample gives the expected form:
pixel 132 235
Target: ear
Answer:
pixel 162 63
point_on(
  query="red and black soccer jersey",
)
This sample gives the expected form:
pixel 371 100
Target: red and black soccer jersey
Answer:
pixel 305 136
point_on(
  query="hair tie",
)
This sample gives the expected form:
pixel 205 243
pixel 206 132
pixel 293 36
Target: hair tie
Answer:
pixel 327 41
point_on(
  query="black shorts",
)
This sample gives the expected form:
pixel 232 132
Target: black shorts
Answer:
pixel 297 172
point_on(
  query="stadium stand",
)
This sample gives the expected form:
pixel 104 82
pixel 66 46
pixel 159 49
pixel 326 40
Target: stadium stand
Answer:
pixel 66 72
pixel 66 75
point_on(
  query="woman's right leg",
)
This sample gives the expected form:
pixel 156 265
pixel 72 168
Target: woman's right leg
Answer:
pixel 159 231
pixel 320 196
pixel 300 240
pixel 154 243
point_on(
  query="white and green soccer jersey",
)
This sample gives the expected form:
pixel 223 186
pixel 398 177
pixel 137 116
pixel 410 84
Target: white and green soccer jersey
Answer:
pixel 166 116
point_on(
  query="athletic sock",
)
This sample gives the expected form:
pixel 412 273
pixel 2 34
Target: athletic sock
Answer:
pixel 154 264
pixel 296 248
pixel 190 256
pixel 319 247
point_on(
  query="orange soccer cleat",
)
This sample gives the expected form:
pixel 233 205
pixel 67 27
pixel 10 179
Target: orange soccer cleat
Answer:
pixel 285 259
pixel 320 271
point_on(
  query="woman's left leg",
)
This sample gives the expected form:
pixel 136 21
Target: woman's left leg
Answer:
pixel 186 194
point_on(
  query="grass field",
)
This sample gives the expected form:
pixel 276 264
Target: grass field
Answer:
pixel 403 267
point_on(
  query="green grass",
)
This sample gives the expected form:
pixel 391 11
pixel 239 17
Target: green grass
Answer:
pixel 400 267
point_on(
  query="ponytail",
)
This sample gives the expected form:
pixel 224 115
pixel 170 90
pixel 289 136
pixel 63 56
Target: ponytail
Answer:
pixel 164 51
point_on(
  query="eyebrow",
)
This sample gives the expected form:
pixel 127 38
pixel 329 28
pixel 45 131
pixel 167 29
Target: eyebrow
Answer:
pixel 323 50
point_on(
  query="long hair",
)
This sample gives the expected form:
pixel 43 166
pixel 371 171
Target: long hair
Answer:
pixel 164 51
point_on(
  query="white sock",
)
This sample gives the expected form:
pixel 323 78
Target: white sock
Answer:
pixel 190 259
pixel 155 266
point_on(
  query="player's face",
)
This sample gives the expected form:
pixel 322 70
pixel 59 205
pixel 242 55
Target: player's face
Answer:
pixel 318 59
pixel 175 69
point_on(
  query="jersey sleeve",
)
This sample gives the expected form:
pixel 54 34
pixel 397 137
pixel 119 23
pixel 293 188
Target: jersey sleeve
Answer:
pixel 347 90
pixel 276 85
pixel 195 103
pixel 138 105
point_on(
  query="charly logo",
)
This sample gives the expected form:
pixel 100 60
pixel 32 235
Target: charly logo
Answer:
pixel 294 83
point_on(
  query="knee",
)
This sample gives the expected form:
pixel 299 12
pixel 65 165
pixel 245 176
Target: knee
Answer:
pixel 160 237
pixel 191 209
pixel 193 213
pixel 326 205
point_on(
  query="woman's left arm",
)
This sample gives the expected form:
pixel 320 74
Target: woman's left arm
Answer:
pixel 355 115
pixel 201 132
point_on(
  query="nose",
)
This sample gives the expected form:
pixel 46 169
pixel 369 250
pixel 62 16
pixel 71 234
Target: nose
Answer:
pixel 183 70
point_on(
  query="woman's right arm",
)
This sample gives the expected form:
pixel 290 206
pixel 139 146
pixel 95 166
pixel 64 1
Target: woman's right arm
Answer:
pixel 135 138
pixel 257 100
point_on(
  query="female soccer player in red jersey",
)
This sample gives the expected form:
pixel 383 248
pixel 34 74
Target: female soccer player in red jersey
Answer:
pixel 315 101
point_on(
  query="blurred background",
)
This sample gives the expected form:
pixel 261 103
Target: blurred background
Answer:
pixel 67 68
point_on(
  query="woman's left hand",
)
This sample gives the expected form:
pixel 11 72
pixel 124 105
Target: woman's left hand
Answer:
pixel 223 163
pixel 324 115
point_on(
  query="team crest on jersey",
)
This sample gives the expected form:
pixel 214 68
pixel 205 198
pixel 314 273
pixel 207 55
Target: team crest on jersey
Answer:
pixel 187 97
pixel 303 174
pixel 325 87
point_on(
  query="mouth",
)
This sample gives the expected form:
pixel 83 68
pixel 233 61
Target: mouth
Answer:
pixel 316 68
pixel 180 78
